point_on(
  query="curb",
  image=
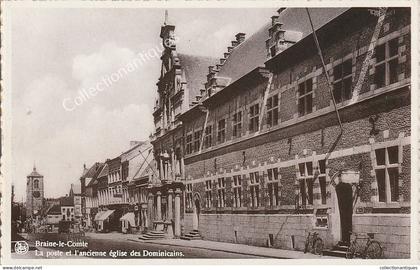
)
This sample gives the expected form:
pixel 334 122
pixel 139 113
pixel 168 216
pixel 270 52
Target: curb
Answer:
pixel 220 250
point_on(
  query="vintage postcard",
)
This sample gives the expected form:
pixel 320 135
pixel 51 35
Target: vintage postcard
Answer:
pixel 171 131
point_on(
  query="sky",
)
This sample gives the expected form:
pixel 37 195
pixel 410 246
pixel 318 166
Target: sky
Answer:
pixel 59 53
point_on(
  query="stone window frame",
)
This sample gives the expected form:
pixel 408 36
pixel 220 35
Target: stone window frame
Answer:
pixel 321 221
pixel 196 140
pixel 237 124
pixel 221 130
pixel 237 190
pixel 189 195
pixel 342 79
pixel 306 178
pixel 208 136
pixel 189 143
pixel 386 62
pixel 273 111
pixel 322 174
pixel 254 185
pixel 271 185
pixel 386 167
pixel 254 117
pixel 221 192
pixel 208 193
pixel 306 95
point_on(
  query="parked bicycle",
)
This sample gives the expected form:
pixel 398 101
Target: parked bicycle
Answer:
pixel 314 244
pixel 362 246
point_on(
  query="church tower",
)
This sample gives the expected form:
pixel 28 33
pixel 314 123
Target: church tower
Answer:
pixel 34 193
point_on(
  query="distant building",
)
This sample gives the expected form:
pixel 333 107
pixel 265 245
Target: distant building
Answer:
pixel 67 208
pixel 89 188
pixel 54 215
pixel 76 194
pixel 34 193
pixel 115 192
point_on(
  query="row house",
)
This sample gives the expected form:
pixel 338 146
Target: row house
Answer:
pixel 279 143
pixel 112 193
pixel 89 189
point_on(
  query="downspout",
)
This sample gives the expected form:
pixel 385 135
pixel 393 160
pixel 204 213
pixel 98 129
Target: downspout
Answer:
pixel 204 129
pixel 325 72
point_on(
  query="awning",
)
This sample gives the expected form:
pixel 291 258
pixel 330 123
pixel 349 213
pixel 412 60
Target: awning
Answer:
pixel 130 218
pixel 103 215
pixel 98 215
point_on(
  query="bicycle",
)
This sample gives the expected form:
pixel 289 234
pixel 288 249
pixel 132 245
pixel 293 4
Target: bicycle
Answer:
pixel 372 249
pixel 314 244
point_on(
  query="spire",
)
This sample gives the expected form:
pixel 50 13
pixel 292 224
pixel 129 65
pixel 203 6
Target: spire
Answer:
pixel 34 167
pixel 166 17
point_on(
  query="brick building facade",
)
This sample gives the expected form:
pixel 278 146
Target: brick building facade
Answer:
pixel 114 192
pixel 263 157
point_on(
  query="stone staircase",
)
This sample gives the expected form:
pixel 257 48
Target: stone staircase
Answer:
pixel 152 235
pixel 338 250
pixel 193 235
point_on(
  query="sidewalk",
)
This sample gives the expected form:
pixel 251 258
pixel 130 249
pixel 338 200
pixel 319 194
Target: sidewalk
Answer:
pixel 236 248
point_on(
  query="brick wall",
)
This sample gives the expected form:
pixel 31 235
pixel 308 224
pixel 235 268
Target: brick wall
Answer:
pixel 378 118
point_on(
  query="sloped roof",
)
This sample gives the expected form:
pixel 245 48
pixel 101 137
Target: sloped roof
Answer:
pixel 251 53
pixel 136 164
pixel 54 210
pixel 93 172
pixel 34 173
pixel 132 150
pixel 296 19
pixel 248 55
pixel 195 69
pixel 145 169
pixel 104 171
pixel 66 201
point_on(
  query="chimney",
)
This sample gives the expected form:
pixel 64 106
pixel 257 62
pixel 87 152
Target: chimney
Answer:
pixel 222 61
pixel 226 55
pixel 84 166
pixel 240 37
pixel 230 48
pixel 202 91
pixel 234 43
pixel 211 69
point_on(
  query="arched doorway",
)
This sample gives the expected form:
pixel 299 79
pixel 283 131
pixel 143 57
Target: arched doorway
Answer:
pixel 196 211
pixel 345 206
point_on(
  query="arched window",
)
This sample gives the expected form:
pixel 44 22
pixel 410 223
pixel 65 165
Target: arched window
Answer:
pixel 36 183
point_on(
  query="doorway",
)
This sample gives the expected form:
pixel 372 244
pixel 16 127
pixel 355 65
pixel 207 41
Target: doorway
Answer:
pixel 196 212
pixel 345 205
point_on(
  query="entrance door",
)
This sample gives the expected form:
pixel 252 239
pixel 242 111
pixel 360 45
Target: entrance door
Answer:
pixel 196 213
pixel 197 207
pixel 345 205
